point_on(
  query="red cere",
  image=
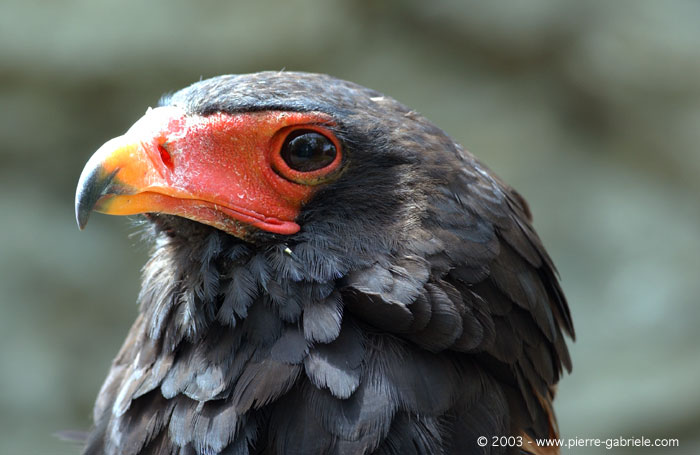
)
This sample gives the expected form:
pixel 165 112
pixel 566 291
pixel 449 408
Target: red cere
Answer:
pixel 232 163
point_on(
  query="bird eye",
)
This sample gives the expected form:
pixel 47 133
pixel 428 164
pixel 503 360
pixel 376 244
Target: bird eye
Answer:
pixel 307 151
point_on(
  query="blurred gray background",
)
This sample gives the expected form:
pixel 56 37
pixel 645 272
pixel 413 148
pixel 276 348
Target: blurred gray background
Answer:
pixel 590 109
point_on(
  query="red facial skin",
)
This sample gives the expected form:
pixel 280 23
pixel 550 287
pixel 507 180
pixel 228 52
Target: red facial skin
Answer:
pixel 224 170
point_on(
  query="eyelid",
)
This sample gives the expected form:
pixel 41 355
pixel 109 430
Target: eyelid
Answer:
pixel 309 178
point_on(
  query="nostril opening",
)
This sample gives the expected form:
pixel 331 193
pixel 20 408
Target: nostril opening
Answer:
pixel 165 156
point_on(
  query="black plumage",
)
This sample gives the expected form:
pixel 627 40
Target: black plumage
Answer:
pixel 414 311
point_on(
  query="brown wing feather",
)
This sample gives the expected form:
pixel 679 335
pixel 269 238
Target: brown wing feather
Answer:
pixel 531 445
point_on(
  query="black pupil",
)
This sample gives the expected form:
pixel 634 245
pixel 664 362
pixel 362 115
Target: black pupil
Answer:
pixel 308 151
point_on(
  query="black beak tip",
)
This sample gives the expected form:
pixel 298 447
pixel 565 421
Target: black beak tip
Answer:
pixel 93 184
pixel 82 213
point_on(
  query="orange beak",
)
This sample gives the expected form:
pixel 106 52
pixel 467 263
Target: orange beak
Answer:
pixel 215 170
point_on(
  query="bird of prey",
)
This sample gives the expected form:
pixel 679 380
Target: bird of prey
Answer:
pixel 330 274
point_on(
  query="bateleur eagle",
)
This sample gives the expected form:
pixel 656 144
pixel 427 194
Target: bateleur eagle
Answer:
pixel 331 274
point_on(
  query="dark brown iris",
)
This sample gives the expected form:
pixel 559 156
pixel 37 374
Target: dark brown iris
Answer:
pixel 307 151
